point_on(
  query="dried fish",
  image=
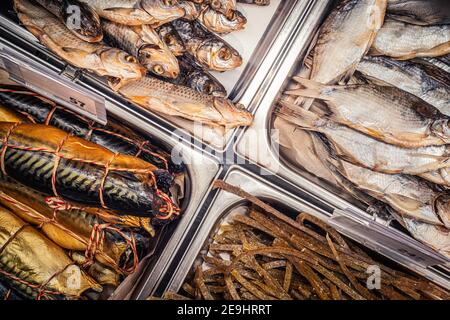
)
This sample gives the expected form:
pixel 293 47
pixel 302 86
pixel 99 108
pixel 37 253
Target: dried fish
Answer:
pixel 404 41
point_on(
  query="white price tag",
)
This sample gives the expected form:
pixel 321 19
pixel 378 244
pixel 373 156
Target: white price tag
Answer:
pixel 54 87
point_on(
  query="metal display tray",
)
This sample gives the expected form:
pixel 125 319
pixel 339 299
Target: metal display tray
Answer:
pixel 262 61
pixel 201 170
pixel 224 203
pixel 255 145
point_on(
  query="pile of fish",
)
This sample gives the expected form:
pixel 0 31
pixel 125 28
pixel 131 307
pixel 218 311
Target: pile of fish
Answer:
pixel 157 53
pixel 370 109
pixel 263 254
pixel 80 203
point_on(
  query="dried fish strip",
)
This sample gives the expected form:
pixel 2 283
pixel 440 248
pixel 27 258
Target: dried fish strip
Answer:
pixel 258 256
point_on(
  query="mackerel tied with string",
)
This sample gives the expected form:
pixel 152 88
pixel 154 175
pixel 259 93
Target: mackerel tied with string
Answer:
pixel 55 162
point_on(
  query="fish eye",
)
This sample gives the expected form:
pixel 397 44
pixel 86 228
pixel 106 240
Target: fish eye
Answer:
pixel 169 39
pixel 158 69
pixel 131 59
pixel 215 4
pixel 209 88
pixel 225 54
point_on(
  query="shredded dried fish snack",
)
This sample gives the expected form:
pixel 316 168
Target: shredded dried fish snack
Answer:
pixel 312 261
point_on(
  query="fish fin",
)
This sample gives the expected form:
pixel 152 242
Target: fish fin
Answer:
pixel 75 51
pixel 312 89
pixel 303 118
pixel 348 75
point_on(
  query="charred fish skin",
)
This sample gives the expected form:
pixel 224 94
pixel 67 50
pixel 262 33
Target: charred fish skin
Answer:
pixel 210 51
pixel 196 78
pixel 112 137
pixel 144 43
pixel 344 38
pixel 172 39
pixel 429 12
pixel 218 22
pixel 424 80
pixel 116 64
pixel 257 2
pixel 79 18
pixel 405 41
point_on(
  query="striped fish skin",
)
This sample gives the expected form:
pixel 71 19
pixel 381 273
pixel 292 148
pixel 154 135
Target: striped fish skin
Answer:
pixel 79 180
pixel 8 293
pixel 121 140
pixel 256 2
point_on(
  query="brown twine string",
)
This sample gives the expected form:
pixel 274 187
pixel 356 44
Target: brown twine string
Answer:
pixel 57 160
pixel 5 146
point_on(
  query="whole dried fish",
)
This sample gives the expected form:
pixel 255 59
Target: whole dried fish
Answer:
pixel 421 12
pixel 363 150
pixel 137 12
pixel 424 80
pixel 257 2
pixel 101 59
pixel 144 43
pixel 344 38
pixel 209 50
pixel 408 195
pixel 172 39
pixel 385 113
pixel 194 77
pixel 218 22
pixel 405 41
pixel 78 17
pixel 175 100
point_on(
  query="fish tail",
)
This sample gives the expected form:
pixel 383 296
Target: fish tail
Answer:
pixel 303 118
pixel 312 89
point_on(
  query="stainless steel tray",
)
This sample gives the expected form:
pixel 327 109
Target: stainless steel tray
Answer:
pixel 224 202
pixel 256 146
pixel 201 169
pixel 272 37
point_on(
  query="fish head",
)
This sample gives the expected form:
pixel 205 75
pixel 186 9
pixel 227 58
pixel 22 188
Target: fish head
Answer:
pixel 84 21
pixel 238 20
pixel 191 10
pixel 163 10
pixel 206 84
pixel 159 61
pixel 441 128
pixel 234 114
pixel 173 42
pixel 121 67
pixel 219 56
